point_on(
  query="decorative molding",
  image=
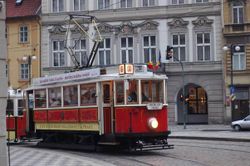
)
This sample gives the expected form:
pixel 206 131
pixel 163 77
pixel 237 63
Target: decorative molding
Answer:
pixel 148 25
pixel 105 28
pixel 202 21
pixel 57 29
pixel 127 28
pixel 178 23
pixel 237 1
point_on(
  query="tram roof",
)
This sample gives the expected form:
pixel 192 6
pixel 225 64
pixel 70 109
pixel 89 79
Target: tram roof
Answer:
pixel 91 75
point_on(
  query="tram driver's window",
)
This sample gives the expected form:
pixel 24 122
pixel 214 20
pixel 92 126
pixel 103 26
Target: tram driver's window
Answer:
pixel 146 91
pixel 20 104
pixel 157 91
pixel 151 91
pixel 40 98
pixel 55 97
pixel 119 92
pixel 88 94
pixel 10 107
pixel 132 92
pixel 70 95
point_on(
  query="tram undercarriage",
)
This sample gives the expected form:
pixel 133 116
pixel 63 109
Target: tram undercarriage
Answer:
pixel 93 141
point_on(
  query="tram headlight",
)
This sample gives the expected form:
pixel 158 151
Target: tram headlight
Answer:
pixel 153 123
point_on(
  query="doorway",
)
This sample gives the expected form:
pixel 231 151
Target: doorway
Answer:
pixel 195 105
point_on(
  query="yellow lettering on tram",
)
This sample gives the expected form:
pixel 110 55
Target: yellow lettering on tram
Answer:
pixel 68 126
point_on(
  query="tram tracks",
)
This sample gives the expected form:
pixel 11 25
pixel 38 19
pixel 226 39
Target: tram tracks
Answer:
pixel 214 146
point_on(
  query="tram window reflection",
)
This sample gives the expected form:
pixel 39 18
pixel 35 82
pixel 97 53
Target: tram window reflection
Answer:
pixel 55 97
pixel 70 95
pixel 88 94
pixel 120 92
pixel 132 92
pixel 40 98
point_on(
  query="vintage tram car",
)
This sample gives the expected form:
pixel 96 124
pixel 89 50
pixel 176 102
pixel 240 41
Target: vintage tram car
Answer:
pixel 125 106
pixel 15 117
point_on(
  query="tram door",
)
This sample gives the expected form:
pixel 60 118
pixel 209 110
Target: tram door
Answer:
pixel 30 123
pixel 108 107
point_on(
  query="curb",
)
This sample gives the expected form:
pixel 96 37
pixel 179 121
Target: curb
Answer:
pixel 211 138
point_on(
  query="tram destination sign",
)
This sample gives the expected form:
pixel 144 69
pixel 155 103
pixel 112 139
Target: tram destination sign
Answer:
pixel 154 106
pixel 78 75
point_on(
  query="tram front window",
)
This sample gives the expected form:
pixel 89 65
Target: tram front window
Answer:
pixel 10 107
pixel 132 92
pixel 151 91
pixel 20 107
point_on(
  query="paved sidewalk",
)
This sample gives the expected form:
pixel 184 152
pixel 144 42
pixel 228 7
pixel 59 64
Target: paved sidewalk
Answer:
pixel 208 132
pixel 21 156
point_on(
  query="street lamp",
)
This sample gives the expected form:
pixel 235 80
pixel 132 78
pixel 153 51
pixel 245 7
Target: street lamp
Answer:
pixel 169 55
pixel 233 48
pixel 29 59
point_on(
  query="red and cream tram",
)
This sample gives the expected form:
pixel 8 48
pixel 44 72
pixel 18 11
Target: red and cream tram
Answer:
pixel 102 107
pixel 15 117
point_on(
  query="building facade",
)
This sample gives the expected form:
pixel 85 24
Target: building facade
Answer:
pixel 3 87
pixel 23 41
pixel 139 31
pixel 236 32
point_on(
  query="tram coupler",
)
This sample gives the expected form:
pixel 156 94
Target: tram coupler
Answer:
pixel 157 145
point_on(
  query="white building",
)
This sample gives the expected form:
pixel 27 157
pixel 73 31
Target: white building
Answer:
pixel 3 87
pixel 138 31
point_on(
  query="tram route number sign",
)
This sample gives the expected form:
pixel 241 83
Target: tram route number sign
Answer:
pixel 154 106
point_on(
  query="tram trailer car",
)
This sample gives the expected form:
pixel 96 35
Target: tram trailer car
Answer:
pixel 15 117
pixel 87 107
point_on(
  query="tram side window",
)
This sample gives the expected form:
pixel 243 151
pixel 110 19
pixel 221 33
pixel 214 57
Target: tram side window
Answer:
pixel 40 98
pixel 70 95
pixel 55 97
pixel 10 107
pixel 152 91
pixel 132 92
pixel 119 92
pixel 20 104
pixel 88 94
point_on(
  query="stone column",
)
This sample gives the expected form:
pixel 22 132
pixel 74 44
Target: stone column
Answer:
pixel 3 87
